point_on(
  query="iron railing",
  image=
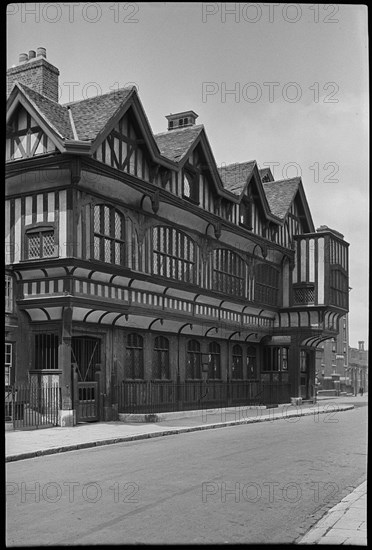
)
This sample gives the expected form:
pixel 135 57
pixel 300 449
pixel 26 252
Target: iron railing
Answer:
pixel 32 405
pixel 154 396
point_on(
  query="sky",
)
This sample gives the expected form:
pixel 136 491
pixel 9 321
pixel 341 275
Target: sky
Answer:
pixel 283 84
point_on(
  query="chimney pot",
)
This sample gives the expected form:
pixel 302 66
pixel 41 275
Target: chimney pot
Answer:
pixel 42 52
pixel 31 54
pixel 23 57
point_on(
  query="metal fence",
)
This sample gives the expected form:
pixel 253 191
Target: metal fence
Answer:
pixel 32 405
pixel 153 396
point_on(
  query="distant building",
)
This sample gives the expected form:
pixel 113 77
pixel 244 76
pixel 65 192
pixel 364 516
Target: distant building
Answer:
pixel 358 367
pixel 134 262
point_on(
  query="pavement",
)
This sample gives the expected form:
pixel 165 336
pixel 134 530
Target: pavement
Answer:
pixel 343 524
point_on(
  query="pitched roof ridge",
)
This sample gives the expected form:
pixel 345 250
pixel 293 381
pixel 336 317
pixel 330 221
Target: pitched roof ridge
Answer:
pixel 172 132
pixel 295 179
pixel 127 88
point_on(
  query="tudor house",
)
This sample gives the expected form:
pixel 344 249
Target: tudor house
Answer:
pixel 132 256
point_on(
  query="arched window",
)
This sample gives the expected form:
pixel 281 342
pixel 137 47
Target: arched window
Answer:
pixel 193 360
pixel 214 361
pixel 174 254
pixel 251 362
pixel 109 235
pixel 267 285
pixel 160 361
pixel 229 272
pixel 237 362
pixel 134 357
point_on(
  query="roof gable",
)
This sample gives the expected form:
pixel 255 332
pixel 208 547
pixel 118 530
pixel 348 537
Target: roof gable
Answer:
pixel 49 115
pixel 282 194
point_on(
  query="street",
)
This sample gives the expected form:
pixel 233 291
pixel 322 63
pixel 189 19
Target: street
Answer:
pixel 261 483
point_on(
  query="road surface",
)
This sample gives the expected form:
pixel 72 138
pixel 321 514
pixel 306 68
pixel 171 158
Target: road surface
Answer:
pixel 261 483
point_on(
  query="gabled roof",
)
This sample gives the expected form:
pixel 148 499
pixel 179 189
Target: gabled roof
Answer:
pixel 280 195
pixel 91 115
pixel 55 114
pixel 235 176
pixel 175 144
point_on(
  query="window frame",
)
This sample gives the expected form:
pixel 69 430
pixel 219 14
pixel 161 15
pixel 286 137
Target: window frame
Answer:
pixel 101 237
pixel 164 350
pixel 129 368
pixel 166 242
pixel 41 230
pixel 193 360
pixel 9 287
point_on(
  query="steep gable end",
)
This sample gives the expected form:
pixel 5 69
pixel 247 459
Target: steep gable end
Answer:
pixel 25 138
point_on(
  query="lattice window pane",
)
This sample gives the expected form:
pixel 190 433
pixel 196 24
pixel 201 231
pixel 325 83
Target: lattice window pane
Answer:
pixel 107 250
pixel 117 226
pixel 48 243
pixel 34 246
pixel 97 248
pixel 97 218
pixel 106 219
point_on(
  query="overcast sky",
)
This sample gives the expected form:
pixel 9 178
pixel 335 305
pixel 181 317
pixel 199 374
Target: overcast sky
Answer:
pixel 284 84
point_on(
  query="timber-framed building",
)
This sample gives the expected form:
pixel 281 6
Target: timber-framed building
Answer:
pixel 133 257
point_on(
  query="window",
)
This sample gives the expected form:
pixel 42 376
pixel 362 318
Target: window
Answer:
pixel 237 362
pixel 267 285
pixel 8 362
pixel 45 351
pixel 190 189
pixel 246 213
pixel 108 235
pixel 229 272
pixel 134 358
pixel 174 254
pixel 193 360
pixel 40 243
pixel 214 371
pixel 8 294
pixel 275 359
pixel 251 362
pixel 160 365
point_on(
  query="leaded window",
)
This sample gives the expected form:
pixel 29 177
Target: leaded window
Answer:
pixel 160 362
pixel 174 254
pixel 193 360
pixel 267 285
pixel 40 243
pixel 134 366
pixel 109 234
pixel 229 272
pixel 237 362
pixel 214 371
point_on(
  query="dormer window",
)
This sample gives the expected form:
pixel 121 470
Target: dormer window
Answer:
pixel 246 213
pixel 190 189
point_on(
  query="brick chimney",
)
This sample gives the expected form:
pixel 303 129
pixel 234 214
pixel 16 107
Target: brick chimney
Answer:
pixel 361 345
pixel 35 72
